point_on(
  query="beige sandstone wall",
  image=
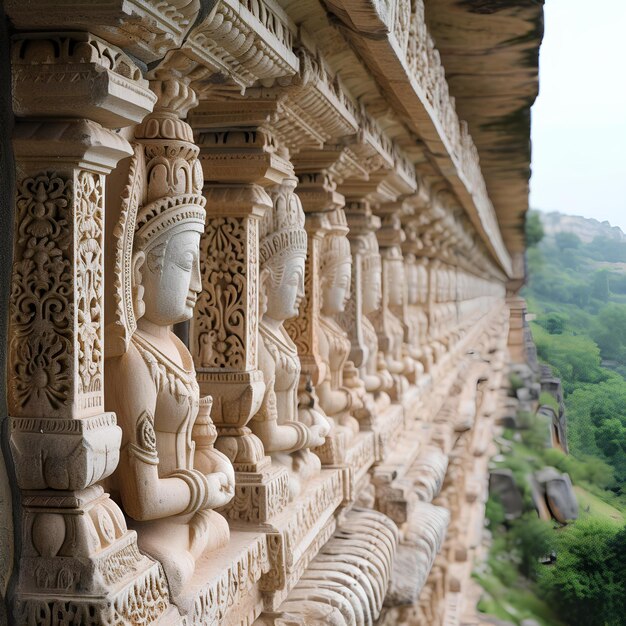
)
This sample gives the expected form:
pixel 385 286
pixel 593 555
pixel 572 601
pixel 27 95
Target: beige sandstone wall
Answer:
pixel 289 185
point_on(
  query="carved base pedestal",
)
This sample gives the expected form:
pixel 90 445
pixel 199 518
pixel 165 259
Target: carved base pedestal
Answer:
pixel 359 458
pixel 224 589
pixel 388 428
pixel 83 567
pixel 413 474
pixel 412 403
pixel 259 496
pixel 354 462
pixel 333 452
pixel 296 535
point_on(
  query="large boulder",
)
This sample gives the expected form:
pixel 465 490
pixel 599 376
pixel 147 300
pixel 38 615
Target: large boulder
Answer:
pixel 558 493
pixel 502 485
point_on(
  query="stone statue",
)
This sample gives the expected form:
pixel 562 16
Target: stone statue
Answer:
pixel 389 327
pixel 169 476
pixel 340 390
pixel 415 318
pixel 283 248
pixel 374 373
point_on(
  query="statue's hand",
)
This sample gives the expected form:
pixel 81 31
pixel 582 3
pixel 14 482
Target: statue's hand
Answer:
pixel 356 398
pixel 318 434
pixel 221 489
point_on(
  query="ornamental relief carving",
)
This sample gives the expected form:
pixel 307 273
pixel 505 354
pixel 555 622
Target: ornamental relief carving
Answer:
pixel 221 323
pixel 90 288
pixel 41 317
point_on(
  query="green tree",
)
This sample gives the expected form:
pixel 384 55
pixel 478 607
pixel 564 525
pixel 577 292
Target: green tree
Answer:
pixel 534 229
pixel 597 421
pixel 574 357
pixel 600 285
pixel 609 331
pixel 532 538
pixel 584 584
pixel 554 323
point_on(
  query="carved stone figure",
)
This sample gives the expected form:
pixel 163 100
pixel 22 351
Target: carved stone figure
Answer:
pixel 389 327
pixel 340 390
pixel 169 477
pixel 374 373
pixel 415 318
pixel 283 248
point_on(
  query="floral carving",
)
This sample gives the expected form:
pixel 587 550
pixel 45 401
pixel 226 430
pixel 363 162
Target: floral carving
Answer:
pixel 221 311
pixel 89 234
pixel 253 295
pixel 41 316
pixel 300 328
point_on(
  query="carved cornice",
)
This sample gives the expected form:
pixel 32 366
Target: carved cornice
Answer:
pixel 77 75
pixel 245 41
pixel 242 156
pixel 145 28
pixel 394 42
pixel 304 111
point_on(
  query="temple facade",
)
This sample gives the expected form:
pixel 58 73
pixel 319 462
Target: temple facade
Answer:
pixel 258 294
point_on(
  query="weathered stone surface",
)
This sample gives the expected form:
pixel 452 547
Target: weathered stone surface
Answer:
pixel 502 485
pixel 259 313
pixel 478 42
pixel 558 493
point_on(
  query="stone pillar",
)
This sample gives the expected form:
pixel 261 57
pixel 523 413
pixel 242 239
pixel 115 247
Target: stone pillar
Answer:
pixel 79 563
pixel 319 198
pixel 388 322
pixel 239 160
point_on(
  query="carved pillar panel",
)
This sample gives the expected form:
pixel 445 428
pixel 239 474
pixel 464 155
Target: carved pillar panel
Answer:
pixel 79 563
pixel 239 158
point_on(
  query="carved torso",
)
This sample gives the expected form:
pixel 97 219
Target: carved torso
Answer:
pixel 371 343
pixel 284 354
pixel 176 404
pixel 335 348
pixel 396 333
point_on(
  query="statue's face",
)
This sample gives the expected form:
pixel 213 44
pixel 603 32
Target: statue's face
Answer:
pixel 170 276
pixel 396 282
pixel 372 290
pixel 337 288
pixel 283 299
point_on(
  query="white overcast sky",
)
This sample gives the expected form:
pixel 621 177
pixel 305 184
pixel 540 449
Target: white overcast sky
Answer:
pixel 579 118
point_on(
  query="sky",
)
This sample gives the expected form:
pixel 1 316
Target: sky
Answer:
pixel 579 118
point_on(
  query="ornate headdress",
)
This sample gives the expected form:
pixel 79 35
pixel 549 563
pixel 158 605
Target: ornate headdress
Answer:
pixel 371 260
pixel 174 179
pixel 282 228
pixel 163 194
pixel 335 245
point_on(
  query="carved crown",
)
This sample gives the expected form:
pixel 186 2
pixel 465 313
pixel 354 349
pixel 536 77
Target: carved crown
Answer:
pixel 282 228
pixel 161 216
pixel 336 247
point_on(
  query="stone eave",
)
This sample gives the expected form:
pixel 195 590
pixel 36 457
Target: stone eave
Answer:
pixel 490 50
pixel 371 32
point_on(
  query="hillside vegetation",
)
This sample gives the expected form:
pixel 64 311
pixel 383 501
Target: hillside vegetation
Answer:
pixel 577 291
pixel 576 296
